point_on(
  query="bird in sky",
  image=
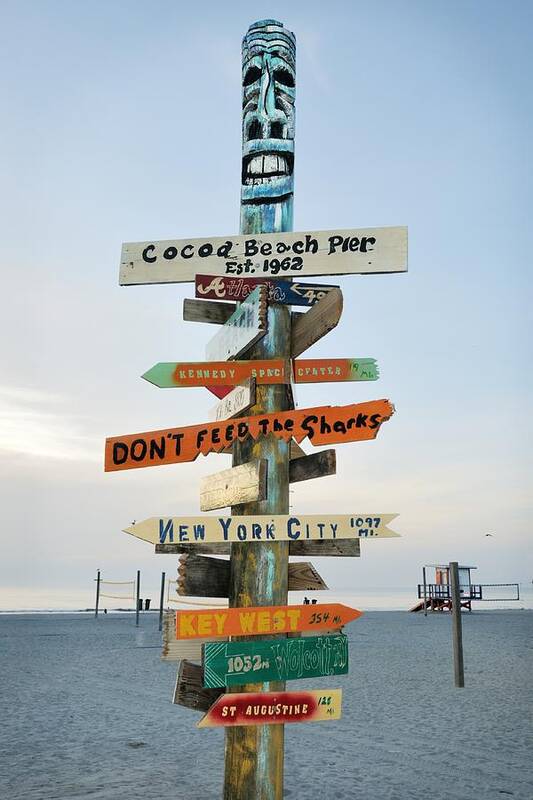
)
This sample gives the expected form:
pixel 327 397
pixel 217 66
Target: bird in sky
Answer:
pixel 488 534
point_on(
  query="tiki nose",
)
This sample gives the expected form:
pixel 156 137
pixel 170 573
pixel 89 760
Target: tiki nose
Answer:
pixel 266 104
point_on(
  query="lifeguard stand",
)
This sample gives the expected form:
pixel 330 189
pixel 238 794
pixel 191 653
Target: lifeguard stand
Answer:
pixel 437 596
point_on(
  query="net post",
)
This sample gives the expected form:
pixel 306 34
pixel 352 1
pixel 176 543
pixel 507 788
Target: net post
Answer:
pixel 137 596
pixel 97 601
pixel 457 632
pixel 161 601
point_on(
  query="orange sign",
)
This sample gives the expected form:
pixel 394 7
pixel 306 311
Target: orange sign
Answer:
pixel 262 620
pixel 324 425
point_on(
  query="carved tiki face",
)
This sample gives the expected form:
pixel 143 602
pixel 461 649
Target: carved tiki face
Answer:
pixel 268 79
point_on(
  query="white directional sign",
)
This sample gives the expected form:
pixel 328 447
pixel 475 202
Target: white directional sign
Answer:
pixel 286 255
pixel 247 324
pixel 239 399
pixel 263 528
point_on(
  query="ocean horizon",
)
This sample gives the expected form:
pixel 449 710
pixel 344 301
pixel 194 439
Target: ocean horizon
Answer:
pixel 366 599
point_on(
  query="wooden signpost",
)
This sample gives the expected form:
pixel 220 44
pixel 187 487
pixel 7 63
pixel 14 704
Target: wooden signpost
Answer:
pixel 350 251
pixel 263 620
pixel 202 576
pixel 279 290
pixel 233 486
pixel 273 708
pixel 261 270
pixel 229 663
pixel 247 325
pixel 325 425
pixel 263 528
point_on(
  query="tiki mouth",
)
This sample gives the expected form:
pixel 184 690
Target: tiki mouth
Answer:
pixel 261 168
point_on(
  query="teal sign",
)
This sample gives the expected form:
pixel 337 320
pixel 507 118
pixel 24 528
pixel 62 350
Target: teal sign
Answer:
pixel 237 663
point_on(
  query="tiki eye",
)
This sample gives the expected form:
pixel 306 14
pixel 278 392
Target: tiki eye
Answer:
pixel 284 77
pixel 252 75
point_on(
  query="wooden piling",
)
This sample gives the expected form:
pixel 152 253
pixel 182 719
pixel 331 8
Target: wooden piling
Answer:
pixel 259 574
pixel 137 596
pixel 457 631
pixel 97 601
pixel 161 601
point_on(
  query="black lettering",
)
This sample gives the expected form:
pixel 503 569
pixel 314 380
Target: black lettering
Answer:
pixel 225 249
pixel 278 426
pixel 229 433
pixel 118 457
pixel 263 424
pixel 354 244
pixel 266 249
pixel 375 421
pixel 365 241
pixel 157 449
pixel 324 427
pixel 146 257
pixel 339 427
pixel 298 247
pixel 205 250
pixel 334 242
pixel 311 244
pixel 242 429
pixel 187 247
pixel 250 247
pixel 177 438
pixel 139 455
pixel 282 247
pixel 215 436
pixel 289 424
pixel 361 420
pixel 307 425
pixel 170 253
pixel 200 436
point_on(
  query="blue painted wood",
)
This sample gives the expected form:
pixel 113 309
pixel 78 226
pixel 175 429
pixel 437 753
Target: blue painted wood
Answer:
pixel 254 754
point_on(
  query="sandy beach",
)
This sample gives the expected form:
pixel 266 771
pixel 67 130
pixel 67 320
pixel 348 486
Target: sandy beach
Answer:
pixel 86 713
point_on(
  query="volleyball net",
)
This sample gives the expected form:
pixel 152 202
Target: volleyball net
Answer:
pixel 173 597
pixel 127 589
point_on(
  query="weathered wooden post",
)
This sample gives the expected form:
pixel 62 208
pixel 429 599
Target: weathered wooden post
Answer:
pixel 97 593
pixel 137 596
pixel 457 635
pixel 161 601
pixel 254 754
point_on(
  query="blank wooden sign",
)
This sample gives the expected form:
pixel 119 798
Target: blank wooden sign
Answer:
pixel 204 576
pixel 231 487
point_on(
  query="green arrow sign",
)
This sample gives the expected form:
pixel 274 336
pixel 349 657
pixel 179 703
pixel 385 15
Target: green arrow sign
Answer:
pixel 236 663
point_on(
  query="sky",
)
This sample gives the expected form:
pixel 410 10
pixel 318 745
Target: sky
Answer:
pixel 120 122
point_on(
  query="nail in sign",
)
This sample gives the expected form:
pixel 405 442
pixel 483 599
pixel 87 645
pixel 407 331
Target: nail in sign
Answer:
pixel 263 620
pixel 273 708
